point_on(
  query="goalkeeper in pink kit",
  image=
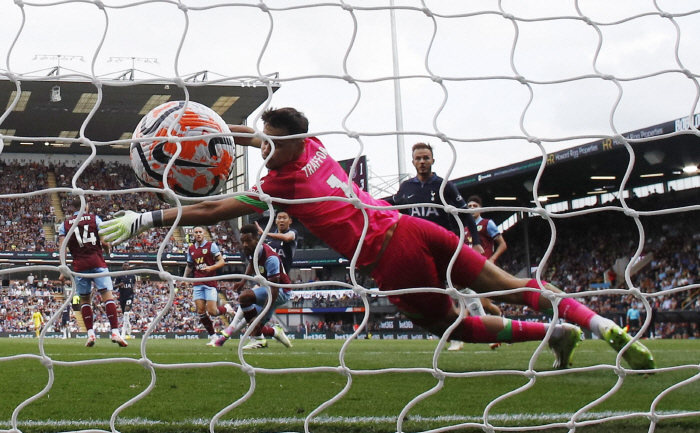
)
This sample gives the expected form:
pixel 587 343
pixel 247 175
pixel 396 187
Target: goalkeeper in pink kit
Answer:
pixel 398 251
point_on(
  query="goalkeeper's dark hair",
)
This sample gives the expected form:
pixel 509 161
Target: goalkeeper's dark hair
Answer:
pixel 289 119
pixel 249 229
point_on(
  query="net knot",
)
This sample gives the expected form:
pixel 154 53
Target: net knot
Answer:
pixel 349 79
pixel 439 375
pixel 353 134
pixel 551 296
pixel 653 418
pixel 632 213
pixel 454 293
pixel 265 198
pixel 450 209
pixel 533 139
pixel 621 373
pixel 442 136
pixel 542 212
pixel 146 363
pixel 436 79
pixel 170 194
pixel 165 276
pixel 182 7
pixel 99 4
pixel 47 362
pixel 77 191
pixel 357 203
pixel 665 15
pixel 344 371
pixel 260 281
pixel 19 3
pixel 179 82
pixel 427 12
pixel 635 292
pixel 247 369
pixel 11 76
pixel 509 16
pixel 346 7
pixel 688 73
pixel 263 7
pixel 521 79
pixel 530 374
pixel 607 77
pixel 64 270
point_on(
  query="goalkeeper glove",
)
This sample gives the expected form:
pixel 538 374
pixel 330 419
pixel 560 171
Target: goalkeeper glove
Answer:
pixel 127 224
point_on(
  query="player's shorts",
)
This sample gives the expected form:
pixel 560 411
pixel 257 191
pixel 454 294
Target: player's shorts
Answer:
pixel 126 302
pixel 83 283
pixel 417 256
pixel 261 301
pixel 202 291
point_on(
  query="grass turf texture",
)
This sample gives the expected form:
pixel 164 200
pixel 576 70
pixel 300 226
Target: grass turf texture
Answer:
pixel 186 398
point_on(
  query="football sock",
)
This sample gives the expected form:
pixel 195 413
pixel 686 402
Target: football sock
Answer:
pixel 111 308
pixel 207 323
pixel 86 311
pixel 474 331
pixel 569 308
pixel 268 331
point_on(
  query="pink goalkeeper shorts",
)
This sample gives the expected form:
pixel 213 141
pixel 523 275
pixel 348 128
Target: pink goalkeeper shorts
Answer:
pixel 417 256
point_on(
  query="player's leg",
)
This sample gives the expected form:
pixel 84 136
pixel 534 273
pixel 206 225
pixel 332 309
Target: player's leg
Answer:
pixel 213 307
pixel 84 289
pixel 202 295
pixel 125 306
pixel 493 310
pixel 418 256
pixel 280 297
pixel 253 303
pixel 492 278
pixel 236 324
pixel 104 287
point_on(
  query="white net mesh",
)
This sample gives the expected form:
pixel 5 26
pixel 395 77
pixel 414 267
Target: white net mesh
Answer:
pixel 495 82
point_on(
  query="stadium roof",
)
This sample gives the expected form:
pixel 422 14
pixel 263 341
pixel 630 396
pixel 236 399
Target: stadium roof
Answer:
pixel 37 117
pixel 590 169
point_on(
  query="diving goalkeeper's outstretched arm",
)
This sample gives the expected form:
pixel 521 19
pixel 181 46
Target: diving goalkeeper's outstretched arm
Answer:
pixel 127 224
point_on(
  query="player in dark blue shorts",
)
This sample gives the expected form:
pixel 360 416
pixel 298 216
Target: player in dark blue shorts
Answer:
pixel 126 284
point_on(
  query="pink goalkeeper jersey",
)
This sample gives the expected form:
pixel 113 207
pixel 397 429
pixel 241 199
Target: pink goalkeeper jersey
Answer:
pixel 339 224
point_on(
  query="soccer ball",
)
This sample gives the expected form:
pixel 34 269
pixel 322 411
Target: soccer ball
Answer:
pixel 204 163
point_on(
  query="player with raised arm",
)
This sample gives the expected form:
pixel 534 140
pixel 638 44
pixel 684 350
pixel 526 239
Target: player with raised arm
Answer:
pixel 125 285
pixel 203 260
pixel 283 240
pixel 399 251
pixel 252 302
pixel 86 246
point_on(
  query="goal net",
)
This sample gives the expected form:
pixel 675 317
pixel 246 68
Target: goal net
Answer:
pixel 488 83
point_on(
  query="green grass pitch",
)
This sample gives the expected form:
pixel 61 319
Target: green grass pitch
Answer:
pixel 186 398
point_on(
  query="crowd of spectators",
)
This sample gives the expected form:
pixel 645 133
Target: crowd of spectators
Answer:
pixel 21 225
pixel 23 218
